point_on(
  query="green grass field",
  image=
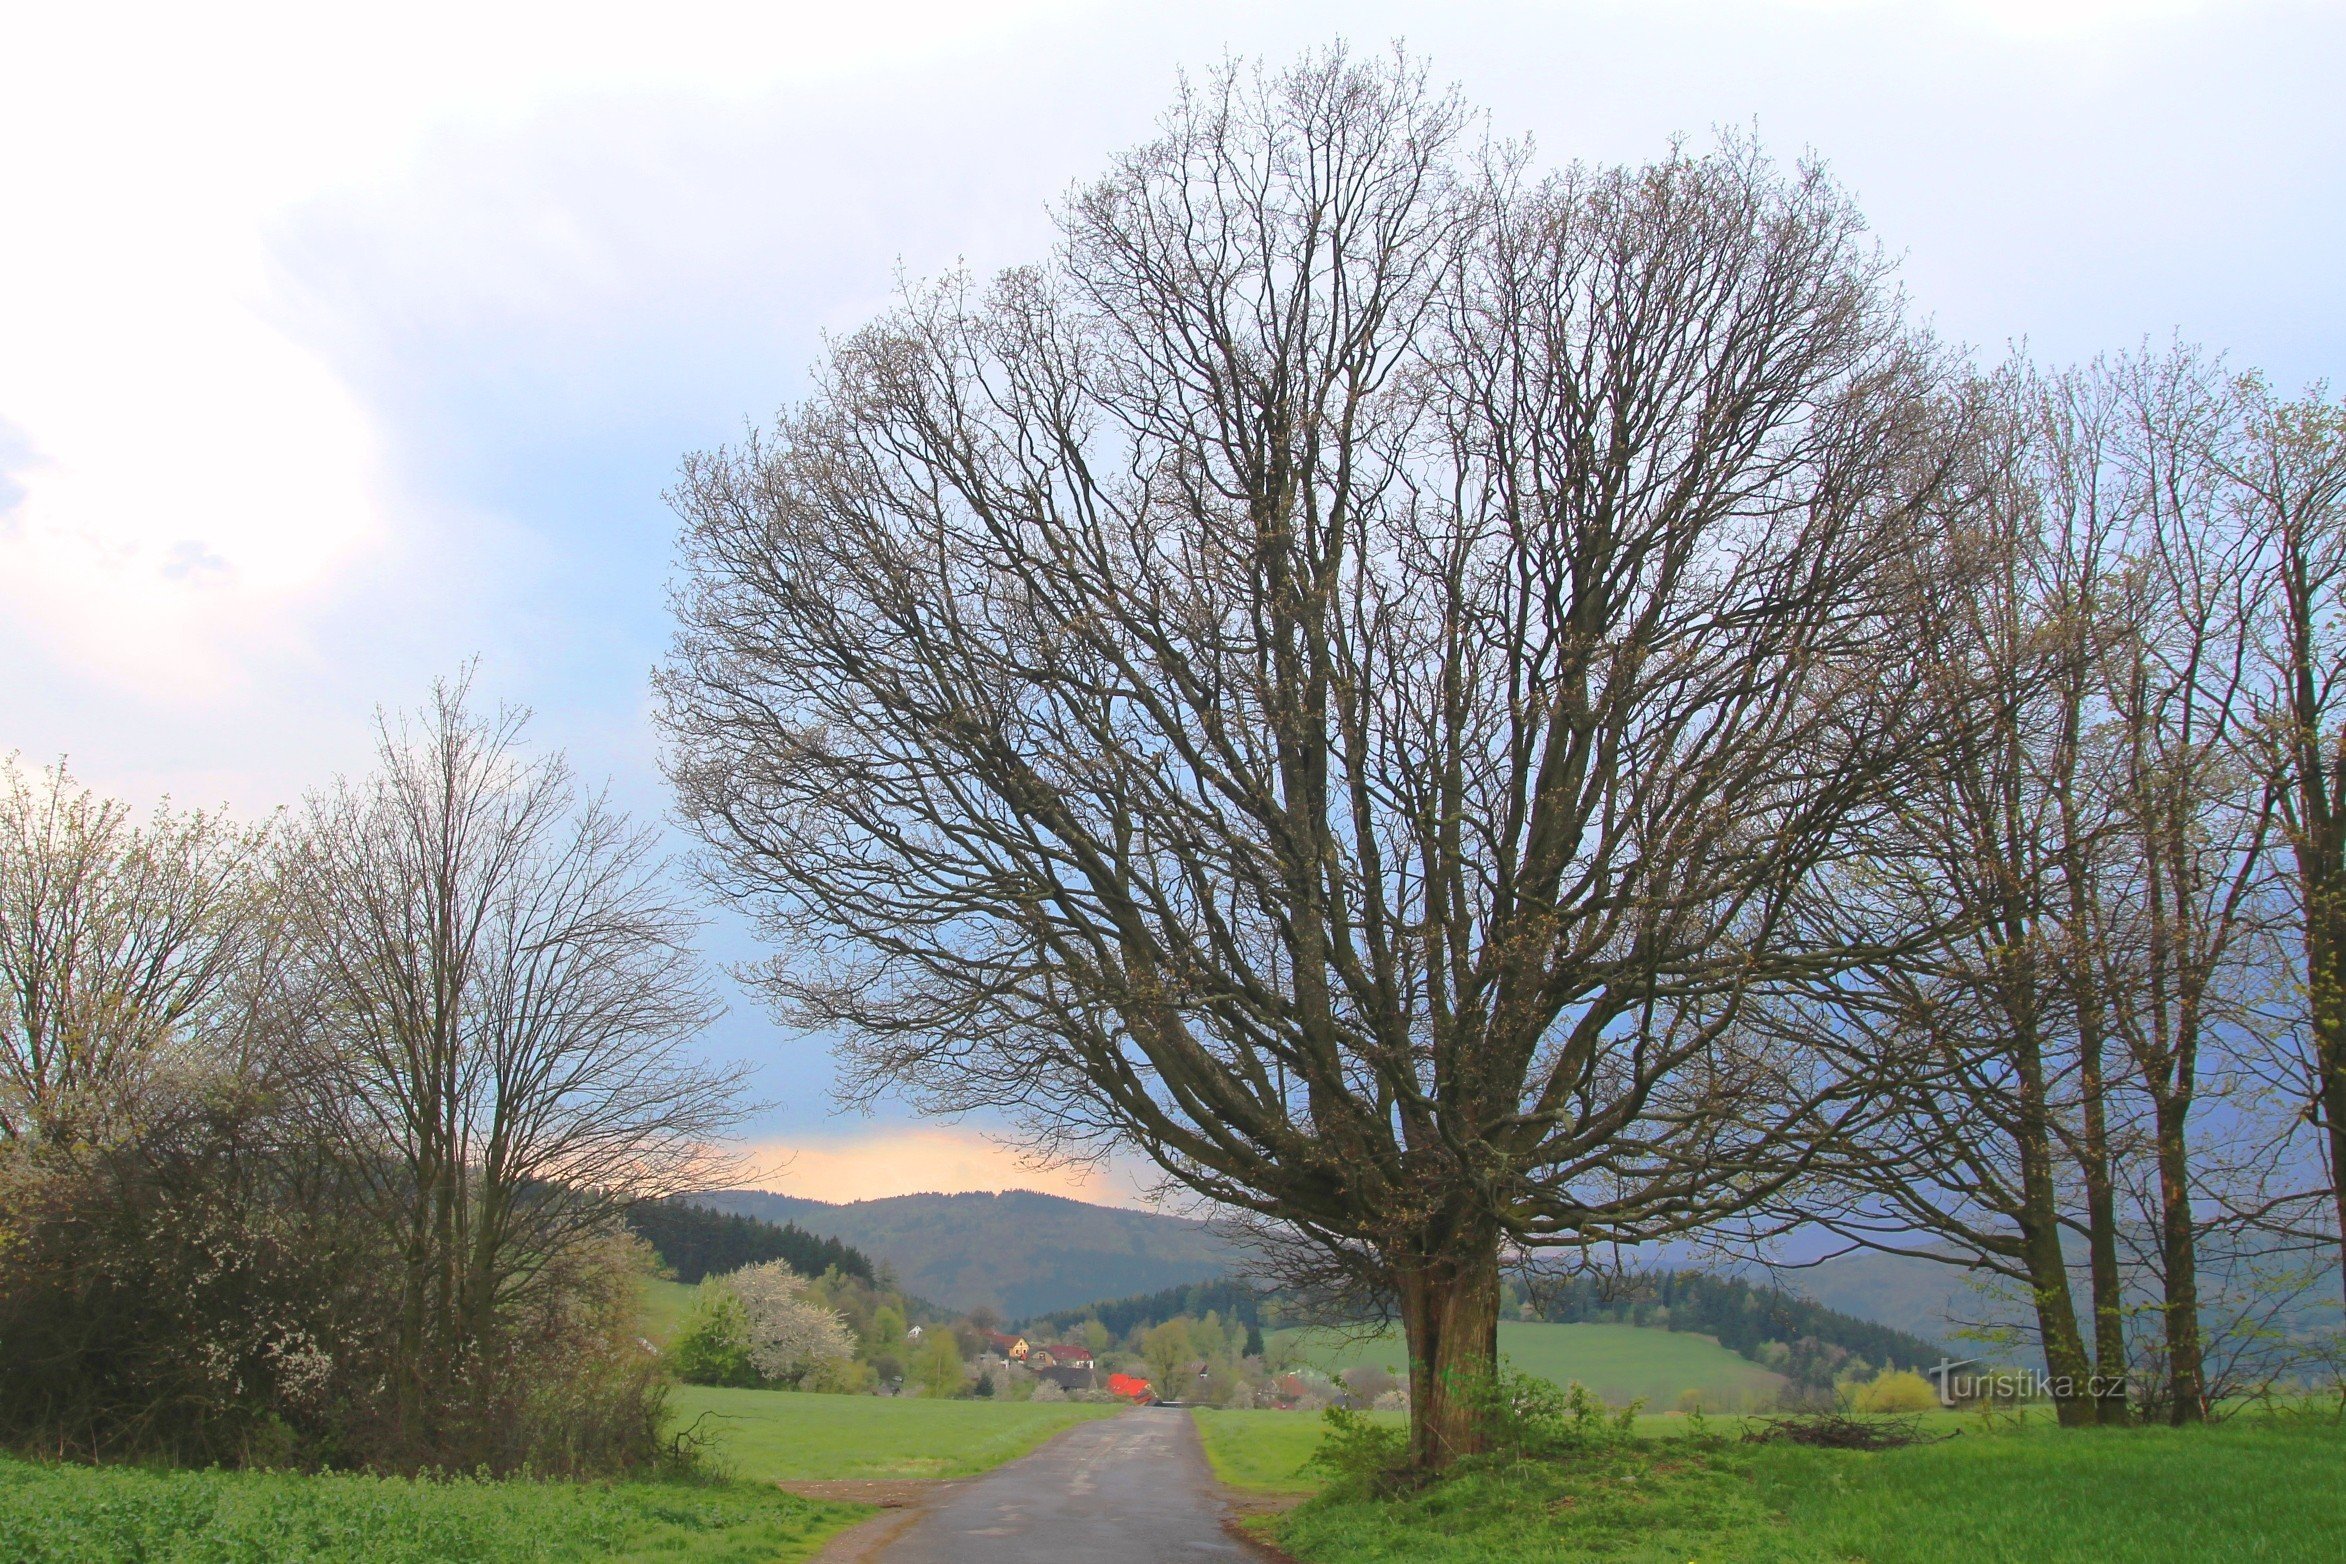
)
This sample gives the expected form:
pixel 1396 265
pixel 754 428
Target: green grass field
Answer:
pixel 2246 1490
pixel 95 1515
pixel 666 1304
pixel 1621 1363
pixel 771 1435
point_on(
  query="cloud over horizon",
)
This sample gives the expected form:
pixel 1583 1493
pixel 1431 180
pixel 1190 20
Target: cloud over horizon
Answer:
pixel 921 1160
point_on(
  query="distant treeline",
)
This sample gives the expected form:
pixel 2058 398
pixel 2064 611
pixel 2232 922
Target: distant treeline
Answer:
pixel 1232 1300
pixel 1806 1342
pixel 696 1242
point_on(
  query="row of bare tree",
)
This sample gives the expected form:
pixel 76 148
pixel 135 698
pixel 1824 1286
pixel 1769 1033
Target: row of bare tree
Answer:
pixel 2113 1044
pixel 313 1134
pixel 1469 712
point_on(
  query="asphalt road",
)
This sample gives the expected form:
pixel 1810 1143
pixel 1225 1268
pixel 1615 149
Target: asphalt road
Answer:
pixel 1130 1489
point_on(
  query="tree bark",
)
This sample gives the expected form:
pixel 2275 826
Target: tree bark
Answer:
pixel 1450 1317
pixel 2325 964
pixel 2101 1220
pixel 2179 1255
pixel 2040 1233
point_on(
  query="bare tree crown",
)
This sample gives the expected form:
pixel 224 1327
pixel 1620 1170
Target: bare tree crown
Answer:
pixel 1339 676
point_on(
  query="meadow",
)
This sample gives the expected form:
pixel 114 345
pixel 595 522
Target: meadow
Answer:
pixel 666 1307
pixel 51 1514
pixel 1621 1363
pixel 2255 1488
pixel 784 1436
pixel 78 1514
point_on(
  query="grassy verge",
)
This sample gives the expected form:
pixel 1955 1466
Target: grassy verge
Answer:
pixel 773 1435
pixel 88 1515
pixel 2249 1490
pixel 1265 1452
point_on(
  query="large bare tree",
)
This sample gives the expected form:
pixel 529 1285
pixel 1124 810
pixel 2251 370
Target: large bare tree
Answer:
pixel 1341 679
pixel 503 989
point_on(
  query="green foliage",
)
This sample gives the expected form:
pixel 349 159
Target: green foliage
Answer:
pixel 1231 1299
pixel 1356 1450
pixel 1167 1348
pixel 713 1347
pixel 1526 1417
pixel 936 1365
pixel 77 1514
pixel 1895 1390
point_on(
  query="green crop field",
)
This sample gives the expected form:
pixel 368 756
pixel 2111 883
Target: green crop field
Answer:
pixel 770 1435
pixel 1621 1363
pixel 2250 1489
pixel 93 1515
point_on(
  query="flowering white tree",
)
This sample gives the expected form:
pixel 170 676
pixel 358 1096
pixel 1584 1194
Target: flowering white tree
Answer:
pixel 789 1336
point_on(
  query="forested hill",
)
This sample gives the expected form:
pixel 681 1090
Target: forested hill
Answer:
pixel 1018 1253
pixel 696 1242
pixel 1804 1340
pixel 1231 1299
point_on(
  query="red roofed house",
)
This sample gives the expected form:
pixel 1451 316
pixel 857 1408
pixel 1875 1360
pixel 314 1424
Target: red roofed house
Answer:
pixel 1130 1389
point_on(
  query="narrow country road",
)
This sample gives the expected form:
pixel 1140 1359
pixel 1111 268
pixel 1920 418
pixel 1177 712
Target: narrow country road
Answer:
pixel 1129 1489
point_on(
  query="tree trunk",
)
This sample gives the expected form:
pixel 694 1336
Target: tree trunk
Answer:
pixel 2057 1333
pixel 1450 1314
pixel 2325 961
pixel 2039 1221
pixel 2101 1212
pixel 2179 1256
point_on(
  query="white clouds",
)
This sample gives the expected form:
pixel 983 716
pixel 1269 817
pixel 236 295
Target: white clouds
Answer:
pixel 2028 18
pixel 191 489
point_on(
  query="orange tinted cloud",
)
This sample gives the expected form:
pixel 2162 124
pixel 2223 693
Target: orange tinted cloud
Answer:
pixel 917 1159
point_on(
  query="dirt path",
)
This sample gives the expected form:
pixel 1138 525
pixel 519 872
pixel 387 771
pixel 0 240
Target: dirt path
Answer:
pixel 1133 1488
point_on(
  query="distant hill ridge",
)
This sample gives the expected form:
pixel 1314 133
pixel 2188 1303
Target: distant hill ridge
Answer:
pixel 696 1242
pixel 1020 1253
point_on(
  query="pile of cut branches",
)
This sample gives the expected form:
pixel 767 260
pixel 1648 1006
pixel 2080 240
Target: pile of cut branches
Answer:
pixel 1839 1431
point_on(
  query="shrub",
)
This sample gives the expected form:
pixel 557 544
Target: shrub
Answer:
pixel 1895 1390
pixel 936 1365
pixel 789 1336
pixel 713 1347
pixel 1356 1451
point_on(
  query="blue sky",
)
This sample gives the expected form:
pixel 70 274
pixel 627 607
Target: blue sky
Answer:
pixel 335 349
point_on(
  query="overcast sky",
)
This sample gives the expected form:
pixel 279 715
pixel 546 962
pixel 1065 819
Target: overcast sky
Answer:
pixel 341 343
